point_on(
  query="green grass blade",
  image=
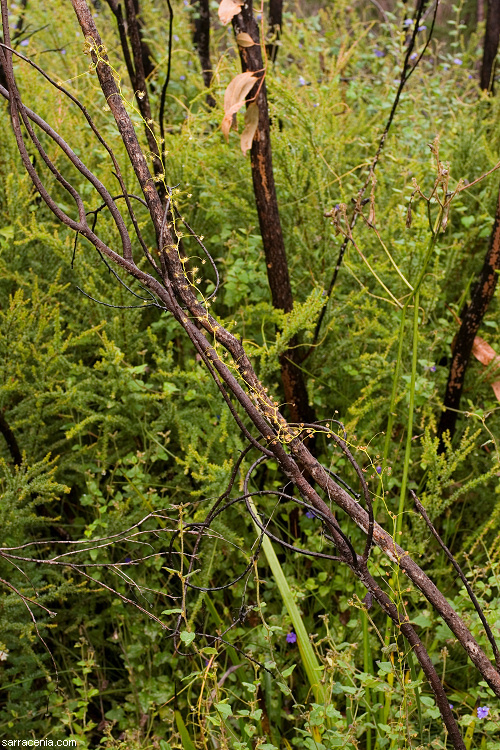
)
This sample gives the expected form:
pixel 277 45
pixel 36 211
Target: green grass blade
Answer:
pixel 187 742
pixel 309 660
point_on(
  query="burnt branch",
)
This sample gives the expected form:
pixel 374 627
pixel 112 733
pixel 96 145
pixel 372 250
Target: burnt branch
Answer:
pixel 461 575
pixel 10 439
pixel 269 218
pixel 275 26
pixel 490 46
pixel 471 320
pixel 201 40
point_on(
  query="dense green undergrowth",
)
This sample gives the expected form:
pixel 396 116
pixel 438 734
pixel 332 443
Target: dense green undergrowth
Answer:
pixel 121 427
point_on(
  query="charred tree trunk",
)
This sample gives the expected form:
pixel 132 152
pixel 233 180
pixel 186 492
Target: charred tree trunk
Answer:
pixel 201 41
pixel 275 23
pixel 11 441
pixel 471 320
pixel 490 49
pixel 148 63
pixel 269 218
pixel 139 64
pixel 480 11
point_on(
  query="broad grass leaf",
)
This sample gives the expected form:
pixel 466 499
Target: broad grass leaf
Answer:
pixel 244 40
pixel 228 9
pixel 234 98
pixel 251 122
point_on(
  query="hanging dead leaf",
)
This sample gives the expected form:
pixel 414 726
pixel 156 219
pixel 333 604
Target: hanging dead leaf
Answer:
pixel 244 39
pixel 234 98
pixel 228 9
pixel 484 352
pixel 487 355
pixel 251 122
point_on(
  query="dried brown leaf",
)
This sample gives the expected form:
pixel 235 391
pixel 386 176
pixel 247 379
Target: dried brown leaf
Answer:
pixel 484 352
pixel 234 98
pixel 251 122
pixel 244 40
pixel 486 355
pixel 228 9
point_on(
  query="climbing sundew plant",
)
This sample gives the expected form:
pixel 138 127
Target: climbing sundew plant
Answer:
pixel 234 518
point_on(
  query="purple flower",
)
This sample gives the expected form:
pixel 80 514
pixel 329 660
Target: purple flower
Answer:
pixel 457 61
pixel 302 81
pixel 433 368
pixel 315 105
pixel 292 638
pixel 128 559
pixel 310 514
pixel 451 705
pixel 176 37
pixel 482 711
pixel 421 28
pixel 182 78
pixel 413 56
pixel 379 470
pixel 378 53
pixel 408 21
pixel 25 42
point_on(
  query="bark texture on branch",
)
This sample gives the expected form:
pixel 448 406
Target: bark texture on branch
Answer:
pixel 269 218
pixel 471 320
pixel 201 40
pixel 490 48
pixel 140 66
pixel 275 24
pixel 10 439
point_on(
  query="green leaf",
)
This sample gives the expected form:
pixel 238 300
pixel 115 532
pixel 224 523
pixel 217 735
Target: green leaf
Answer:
pixel 385 666
pixel 224 709
pixel 187 637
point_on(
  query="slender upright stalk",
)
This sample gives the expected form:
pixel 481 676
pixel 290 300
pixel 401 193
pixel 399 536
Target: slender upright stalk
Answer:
pixel 269 217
